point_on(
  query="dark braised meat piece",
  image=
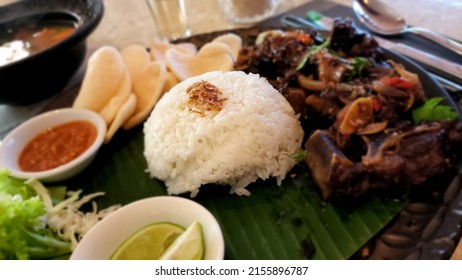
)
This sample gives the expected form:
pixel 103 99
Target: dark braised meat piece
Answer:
pixel 454 137
pixel 296 98
pixel 326 105
pixel 335 174
pixel 394 160
pixel 275 55
pixel 409 158
pixel 352 41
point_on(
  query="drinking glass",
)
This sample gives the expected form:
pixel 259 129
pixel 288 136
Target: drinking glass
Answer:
pixel 245 11
pixel 169 18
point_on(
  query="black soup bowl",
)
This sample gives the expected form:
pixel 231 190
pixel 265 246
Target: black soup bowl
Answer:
pixel 42 45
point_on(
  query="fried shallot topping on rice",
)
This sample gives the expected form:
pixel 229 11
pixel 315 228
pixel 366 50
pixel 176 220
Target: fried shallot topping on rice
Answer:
pixel 205 97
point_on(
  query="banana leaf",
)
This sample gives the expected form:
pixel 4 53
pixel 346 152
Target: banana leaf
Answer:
pixel 290 221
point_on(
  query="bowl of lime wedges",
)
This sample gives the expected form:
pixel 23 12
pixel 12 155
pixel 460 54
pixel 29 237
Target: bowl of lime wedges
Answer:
pixel 156 228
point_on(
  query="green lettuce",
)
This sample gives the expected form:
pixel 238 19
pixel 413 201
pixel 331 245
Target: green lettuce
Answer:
pixel 314 49
pixel 431 111
pixel 23 231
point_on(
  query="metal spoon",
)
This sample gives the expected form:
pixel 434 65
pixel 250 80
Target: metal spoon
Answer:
pixel 384 20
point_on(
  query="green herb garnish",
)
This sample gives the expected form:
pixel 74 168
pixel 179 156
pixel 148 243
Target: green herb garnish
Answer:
pixel 299 155
pixel 431 111
pixel 358 64
pixel 313 16
pixel 314 49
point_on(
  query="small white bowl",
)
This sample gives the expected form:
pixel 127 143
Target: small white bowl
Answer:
pixel 108 234
pixel 19 137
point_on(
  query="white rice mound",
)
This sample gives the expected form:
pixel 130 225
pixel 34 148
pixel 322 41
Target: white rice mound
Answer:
pixel 253 136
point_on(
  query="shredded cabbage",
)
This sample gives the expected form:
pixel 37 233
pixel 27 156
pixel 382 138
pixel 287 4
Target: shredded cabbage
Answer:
pixel 31 227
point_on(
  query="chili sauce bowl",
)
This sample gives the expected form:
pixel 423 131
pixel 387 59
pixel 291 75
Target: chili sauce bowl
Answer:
pixel 30 72
pixel 100 242
pixel 15 142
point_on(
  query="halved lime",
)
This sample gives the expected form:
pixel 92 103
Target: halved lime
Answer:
pixel 149 242
pixel 188 246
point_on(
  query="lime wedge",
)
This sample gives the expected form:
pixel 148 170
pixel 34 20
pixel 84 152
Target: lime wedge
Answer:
pixel 188 246
pixel 149 242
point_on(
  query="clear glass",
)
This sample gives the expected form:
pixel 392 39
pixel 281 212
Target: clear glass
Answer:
pixel 245 11
pixel 169 18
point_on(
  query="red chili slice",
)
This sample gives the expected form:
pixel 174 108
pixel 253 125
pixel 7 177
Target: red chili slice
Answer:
pixel 397 82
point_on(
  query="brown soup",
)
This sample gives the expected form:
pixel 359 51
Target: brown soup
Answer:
pixel 23 39
pixel 57 146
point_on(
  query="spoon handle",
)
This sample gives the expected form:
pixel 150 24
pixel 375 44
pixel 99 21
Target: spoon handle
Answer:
pixel 437 38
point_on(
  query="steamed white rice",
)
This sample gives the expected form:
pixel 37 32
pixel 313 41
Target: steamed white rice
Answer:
pixel 252 137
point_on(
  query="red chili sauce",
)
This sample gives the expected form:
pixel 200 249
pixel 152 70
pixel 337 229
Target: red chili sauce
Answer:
pixel 57 146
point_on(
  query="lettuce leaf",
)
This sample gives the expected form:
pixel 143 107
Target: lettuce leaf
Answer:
pixel 431 111
pixel 23 232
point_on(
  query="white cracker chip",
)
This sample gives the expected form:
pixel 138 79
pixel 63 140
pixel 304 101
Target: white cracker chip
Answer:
pixel 112 106
pixel 185 66
pixel 104 75
pixel 233 41
pixel 125 112
pixel 159 48
pixel 213 49
pixel 148 89
pixel 135 58
pixel 170 81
